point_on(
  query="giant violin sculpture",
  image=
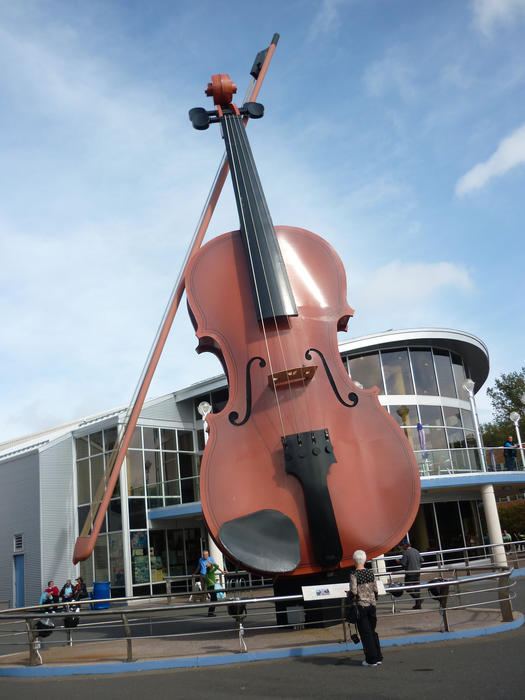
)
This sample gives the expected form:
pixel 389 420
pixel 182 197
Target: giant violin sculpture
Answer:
pixel 301 467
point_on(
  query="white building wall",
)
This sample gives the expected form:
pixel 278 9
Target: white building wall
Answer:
pixel 19 514
pixel 58 511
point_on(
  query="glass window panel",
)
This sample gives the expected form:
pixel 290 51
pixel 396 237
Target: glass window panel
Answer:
pixel 151 438
pixel 470 437
pixel 219 399
pixel 467 418
pixel 136 439
pixel 456 438
pixel 171 470
pixel 176 557
pixel 172 488
pixel 97 477
pixel 405 415
pixel 155 503
pixel 95 443
pixel 116 490
pixel 100 557
pixel 168 439
pixel 139 557
pixel 116 561
pixel 83 491
pixel 471 525
pixel 158 556
pixel 137 513
pixel 185 440
pixel 115 515
pixel 82 447
pixel 188 465
pixel 366 370
pixel 396 369
pixel 152 467
pixel 460 460
pixel 440 462
pixel 154 490
pixel 445 375
pixel 83 512
pixel 86 571
pixel 190 490
pixel 413 437
pixel 135 473
pixel 110 438
pixel 423 368
pixel 200 440
pixel 449 524
pixel 431 415
pixel 459 376
pixel 452 416
pixel 435 439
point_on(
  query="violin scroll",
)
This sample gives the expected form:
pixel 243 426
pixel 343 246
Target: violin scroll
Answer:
pixel 222 88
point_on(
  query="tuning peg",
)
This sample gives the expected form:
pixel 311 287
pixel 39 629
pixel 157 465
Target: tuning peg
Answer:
pixel 255 110
pixel 200 118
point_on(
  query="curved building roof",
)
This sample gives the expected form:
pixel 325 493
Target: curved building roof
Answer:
pixel 473 350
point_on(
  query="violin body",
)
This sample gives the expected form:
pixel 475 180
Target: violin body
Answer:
pixel 252 504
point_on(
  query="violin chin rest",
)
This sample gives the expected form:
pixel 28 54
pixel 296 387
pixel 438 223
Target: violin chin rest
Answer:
pixel 266 540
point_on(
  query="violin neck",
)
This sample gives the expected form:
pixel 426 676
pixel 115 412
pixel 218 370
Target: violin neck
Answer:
pixel 271 287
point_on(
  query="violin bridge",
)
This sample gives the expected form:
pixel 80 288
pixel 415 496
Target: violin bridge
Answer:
pixel 291 376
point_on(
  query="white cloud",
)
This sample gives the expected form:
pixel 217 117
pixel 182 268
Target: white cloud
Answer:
pixel 393 73
pixel 489 14
pixel 404 294
pixel 509 154
pixel 327 18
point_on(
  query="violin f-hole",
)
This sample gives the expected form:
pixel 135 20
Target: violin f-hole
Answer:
pixel 233 416
pixel 352 395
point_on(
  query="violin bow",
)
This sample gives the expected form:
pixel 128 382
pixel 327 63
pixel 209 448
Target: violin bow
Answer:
pixel 85 543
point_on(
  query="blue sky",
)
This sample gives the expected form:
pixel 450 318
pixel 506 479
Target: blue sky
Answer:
pixel 393 128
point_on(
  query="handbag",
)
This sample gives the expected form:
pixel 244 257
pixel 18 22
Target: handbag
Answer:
pixel 221 595
pixel 353 613
pixel 352 609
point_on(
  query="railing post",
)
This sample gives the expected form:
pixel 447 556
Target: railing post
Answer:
pixel 505 603
pixel 129 641
pixel 34 644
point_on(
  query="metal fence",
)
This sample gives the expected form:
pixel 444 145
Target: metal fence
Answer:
pixel 451 581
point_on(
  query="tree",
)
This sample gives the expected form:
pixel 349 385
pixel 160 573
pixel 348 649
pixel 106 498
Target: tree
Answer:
pixel 506 395
pixel 512 516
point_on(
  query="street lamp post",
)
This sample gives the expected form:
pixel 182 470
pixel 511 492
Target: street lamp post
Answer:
pixel 468 385
pixel 204 408
pixel 515 418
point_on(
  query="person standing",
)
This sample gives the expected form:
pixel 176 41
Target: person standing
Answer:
pixel 411 563
pixel 363 592
pixel 509 454
pixel 205 563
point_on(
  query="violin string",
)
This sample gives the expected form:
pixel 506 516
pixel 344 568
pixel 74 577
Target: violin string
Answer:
pixel 256 185
pixel 298 354
pixel 251 170
pixel 235 175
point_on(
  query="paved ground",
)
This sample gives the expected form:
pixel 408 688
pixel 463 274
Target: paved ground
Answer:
pixel 487 667
pixel 484 667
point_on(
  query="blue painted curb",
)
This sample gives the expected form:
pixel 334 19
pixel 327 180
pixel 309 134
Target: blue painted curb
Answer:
pixel 224 659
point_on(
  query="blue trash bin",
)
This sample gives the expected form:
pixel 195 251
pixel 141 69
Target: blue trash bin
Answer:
pixel 101 589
